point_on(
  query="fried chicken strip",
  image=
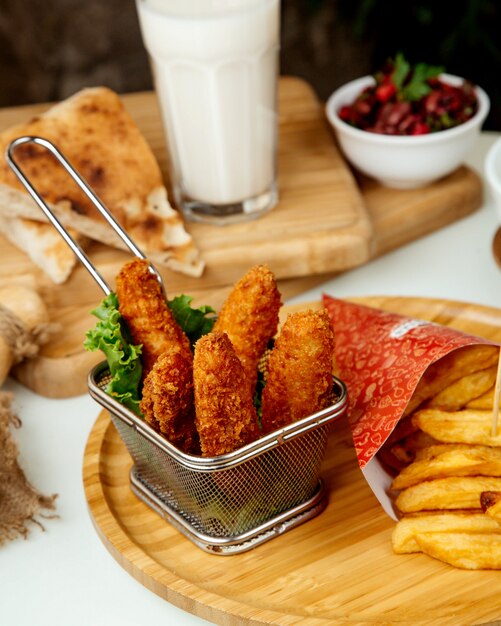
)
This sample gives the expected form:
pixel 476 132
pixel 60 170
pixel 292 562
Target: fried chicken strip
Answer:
pixel 249 317
pixel 299 376
pixel 168 402
pixel 143 306
pixel 225 414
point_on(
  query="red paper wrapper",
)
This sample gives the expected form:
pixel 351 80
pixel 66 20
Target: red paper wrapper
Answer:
pixel 381 357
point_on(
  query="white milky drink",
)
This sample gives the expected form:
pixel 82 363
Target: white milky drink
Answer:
pixel 215 65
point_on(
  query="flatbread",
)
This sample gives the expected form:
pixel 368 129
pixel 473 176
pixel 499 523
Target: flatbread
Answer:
pixel 102 142
pixel 43 244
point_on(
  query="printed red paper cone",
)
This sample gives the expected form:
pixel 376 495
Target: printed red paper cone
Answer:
pixel 383 356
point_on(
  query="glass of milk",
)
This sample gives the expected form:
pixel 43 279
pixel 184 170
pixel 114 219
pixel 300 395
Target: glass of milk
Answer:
pixel 215 66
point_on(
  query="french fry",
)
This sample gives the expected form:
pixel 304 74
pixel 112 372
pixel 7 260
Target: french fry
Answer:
pixel 404 428
pixel 450 368
pixel 450 479
pixel 446 493
pixel 437 448
pixel 418 441
pixel 463 550
pixel 490 501
pixel 483 402
pixel 401 453
pixel 466 426
pixel 403 538
pixel 453 461
pixel 391 462
pixel 411 447
pixel 489 498
pixel 464 390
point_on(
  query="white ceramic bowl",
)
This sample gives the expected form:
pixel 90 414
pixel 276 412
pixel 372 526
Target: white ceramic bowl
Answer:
pixel 404 162
pixel 492 168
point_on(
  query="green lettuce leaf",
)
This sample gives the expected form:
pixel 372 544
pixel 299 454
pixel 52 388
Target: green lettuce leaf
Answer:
pixel 194 322
pixel 111 336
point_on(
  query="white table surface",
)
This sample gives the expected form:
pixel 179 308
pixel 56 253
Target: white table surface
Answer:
pixel 65 576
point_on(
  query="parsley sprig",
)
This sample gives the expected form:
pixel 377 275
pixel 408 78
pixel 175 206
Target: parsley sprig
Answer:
pixel 411 82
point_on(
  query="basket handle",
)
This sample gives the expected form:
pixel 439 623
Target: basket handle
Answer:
pixel 77 250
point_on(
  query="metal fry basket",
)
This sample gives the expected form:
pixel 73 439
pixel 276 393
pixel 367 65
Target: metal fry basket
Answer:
pixel 225 504
pixel 233 502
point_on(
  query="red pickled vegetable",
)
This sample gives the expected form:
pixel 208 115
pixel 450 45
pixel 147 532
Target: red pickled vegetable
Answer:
pixel 410 100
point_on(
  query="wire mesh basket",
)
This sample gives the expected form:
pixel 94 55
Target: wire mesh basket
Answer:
pixel 236 501
pixel 224 504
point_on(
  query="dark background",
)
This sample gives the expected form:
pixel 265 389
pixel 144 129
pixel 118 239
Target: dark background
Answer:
pixel 51 48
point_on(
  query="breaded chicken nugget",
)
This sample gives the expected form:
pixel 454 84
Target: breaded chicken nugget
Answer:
pixel 299 375
pixel 143 306
pixel 168 402
pixel 225 414
pixel 249 317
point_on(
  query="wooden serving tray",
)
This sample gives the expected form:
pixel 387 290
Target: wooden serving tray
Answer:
pixel 337 568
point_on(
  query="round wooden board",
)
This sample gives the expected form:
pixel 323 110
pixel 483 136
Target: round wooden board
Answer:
pixel 337 568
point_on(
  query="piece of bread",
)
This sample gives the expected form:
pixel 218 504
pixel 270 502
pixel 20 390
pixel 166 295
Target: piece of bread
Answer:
pixel 43 244
pixel 102 142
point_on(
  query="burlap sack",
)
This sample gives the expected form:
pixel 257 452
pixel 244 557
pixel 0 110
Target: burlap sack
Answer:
pixel 20 503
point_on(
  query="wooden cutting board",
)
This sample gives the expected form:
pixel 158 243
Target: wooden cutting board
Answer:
pixel 326 222
pixel 319 225
pixel 337 568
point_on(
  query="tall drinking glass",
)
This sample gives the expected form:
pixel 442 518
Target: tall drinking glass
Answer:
pixel 215 67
